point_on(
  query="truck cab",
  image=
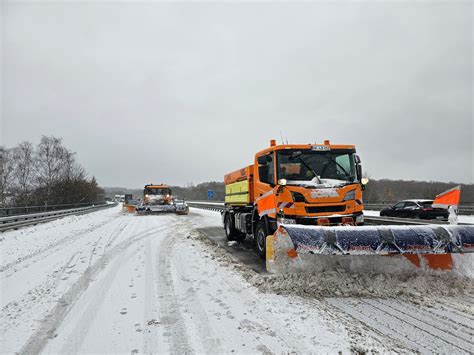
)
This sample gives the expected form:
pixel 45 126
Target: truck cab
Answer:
pixel 157 195
pixel 312 184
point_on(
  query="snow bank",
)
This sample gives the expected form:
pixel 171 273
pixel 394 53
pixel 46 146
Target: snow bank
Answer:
pixel 354 276
pixel 331 281
pixel 463 264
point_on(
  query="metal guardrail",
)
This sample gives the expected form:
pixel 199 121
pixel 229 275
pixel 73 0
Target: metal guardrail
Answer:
pixel 18 210
pixel 216 206
pixel 15 222
pixel 371 220
pixel 463 209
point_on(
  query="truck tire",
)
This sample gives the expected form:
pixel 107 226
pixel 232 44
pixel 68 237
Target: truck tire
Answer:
pixel 230 231
pixel 261 233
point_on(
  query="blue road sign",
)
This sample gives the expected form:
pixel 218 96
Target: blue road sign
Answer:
pixel 210 194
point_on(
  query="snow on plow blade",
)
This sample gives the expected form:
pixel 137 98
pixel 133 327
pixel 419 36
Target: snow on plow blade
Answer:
pixel 382 240
pixel 290 243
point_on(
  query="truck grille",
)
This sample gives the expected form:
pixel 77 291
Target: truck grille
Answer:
pixel 323 209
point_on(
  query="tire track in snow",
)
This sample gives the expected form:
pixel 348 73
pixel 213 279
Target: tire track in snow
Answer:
pixel 170 312
pixel 421 334
pixel 54 247
pixel 55 283
pixel 458 307
pixel 207 336
pixel 454 317
pixel 74 342
pixel 113 236
pixel 261 324
pixel 444 323
pixel 150 340
pixel 16 308
pixel 424 321
pixel 54 318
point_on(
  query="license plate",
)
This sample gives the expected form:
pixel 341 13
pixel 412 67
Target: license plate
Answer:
pixel 439 217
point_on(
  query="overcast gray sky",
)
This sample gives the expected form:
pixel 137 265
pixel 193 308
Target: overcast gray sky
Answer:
pixel 186 92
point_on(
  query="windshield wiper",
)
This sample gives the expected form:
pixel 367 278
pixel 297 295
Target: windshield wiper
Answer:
pixel 332 160
pixel 347 183
pixel 309 168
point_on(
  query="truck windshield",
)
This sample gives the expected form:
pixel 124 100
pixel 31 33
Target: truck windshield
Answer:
pixel 159 191
pixel 305 164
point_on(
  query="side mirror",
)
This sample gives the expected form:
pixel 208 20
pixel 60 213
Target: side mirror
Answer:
pixel 264 159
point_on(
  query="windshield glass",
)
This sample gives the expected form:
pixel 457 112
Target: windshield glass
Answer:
pixel 158 191
pixel 316 166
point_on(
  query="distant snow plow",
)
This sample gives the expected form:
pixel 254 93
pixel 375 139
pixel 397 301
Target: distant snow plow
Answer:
pixel 434 243
pixel 158 198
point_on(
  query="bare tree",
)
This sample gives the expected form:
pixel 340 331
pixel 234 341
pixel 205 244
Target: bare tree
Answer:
pixel 72 171
pixel 48 173
pixel 23 155
pixel 50 162
pixel 6 174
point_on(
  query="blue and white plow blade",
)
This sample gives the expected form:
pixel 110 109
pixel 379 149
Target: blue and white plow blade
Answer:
pixel 317 248
pixel 178 206
pixel 156 208
pixel 382 240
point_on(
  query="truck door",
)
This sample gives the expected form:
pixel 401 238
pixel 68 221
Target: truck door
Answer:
pixel 264 185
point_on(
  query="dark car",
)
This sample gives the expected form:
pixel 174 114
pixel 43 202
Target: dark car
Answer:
pixel 415 209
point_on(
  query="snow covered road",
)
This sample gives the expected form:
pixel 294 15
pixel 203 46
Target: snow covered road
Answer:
pixel 114 282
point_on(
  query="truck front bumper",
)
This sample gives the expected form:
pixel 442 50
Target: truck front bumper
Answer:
pixel 334 220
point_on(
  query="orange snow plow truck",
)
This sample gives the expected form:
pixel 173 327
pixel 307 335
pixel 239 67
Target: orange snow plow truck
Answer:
pixel 158 198
pixel 298 199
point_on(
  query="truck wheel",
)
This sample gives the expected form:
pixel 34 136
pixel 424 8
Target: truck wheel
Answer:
pixel 230 231
pixel 261 233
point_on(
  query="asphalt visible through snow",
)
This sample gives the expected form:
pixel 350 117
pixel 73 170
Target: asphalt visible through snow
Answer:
pixel 243 251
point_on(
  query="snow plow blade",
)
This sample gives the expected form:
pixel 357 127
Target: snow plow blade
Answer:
pixel 289 245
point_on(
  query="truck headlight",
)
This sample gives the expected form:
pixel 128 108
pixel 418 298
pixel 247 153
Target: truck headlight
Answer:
pixel 350 195
pixel 360 218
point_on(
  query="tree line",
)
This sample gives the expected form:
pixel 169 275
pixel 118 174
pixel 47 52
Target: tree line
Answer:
pixel 389 191
pixel 45 174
